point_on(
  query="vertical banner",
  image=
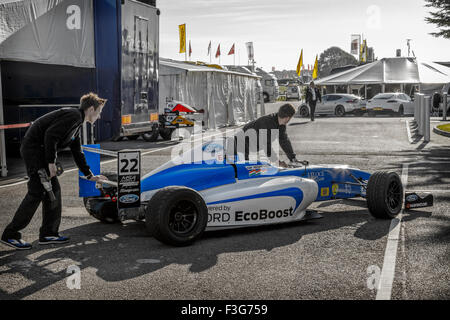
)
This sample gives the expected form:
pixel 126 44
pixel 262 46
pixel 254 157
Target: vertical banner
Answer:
pixel 182 29
pixel 315 73
pixel 355 44
pixel 250 51
pixel 300 64
pixel 363 52
pixel 129 179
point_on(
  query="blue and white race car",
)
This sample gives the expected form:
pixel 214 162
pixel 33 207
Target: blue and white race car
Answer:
pixel 179 201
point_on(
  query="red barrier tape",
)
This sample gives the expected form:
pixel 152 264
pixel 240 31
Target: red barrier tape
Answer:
pixel 15 126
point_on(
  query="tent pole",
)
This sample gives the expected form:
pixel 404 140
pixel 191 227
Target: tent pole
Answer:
pixel 2 133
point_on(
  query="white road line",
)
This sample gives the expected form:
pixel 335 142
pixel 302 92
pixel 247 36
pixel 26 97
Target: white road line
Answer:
pixel 390 255
pixel 408 130
pixel 115 160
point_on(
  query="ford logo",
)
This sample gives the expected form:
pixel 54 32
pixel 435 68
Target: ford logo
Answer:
pixel 412 198
pixel 129 198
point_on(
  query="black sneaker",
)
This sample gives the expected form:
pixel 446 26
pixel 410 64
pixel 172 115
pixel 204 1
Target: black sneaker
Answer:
pixel 18 244
pixel 53 240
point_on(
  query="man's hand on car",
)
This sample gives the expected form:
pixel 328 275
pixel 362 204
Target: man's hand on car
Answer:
pixel 97 178
pixel 297 163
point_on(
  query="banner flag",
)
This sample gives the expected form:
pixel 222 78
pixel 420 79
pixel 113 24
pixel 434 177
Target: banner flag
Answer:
pixel 300 64
pixel 182 29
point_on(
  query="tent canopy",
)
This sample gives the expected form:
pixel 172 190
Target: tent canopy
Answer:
pixel 48 31
pixel 391 71
pixel 227 97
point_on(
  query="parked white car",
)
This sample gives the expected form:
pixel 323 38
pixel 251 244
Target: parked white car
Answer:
pixel 338 104
pixel 392 102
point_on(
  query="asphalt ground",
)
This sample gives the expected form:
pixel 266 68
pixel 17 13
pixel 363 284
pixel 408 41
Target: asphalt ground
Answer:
pixel 338 257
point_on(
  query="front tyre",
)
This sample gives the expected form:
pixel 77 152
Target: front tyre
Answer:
pixel 384 195
pixel 176 216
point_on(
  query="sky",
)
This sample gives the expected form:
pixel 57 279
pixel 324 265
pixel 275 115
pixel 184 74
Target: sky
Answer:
pixel 279 30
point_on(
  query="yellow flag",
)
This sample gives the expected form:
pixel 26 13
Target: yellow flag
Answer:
pixel 182 28
pixel 316 69
pixel 300 64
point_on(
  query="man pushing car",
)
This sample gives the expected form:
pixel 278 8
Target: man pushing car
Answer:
pixel 268 123
pixel 55 130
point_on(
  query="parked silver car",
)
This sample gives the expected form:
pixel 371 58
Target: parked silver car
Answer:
pixel 338 104
pixel 392 102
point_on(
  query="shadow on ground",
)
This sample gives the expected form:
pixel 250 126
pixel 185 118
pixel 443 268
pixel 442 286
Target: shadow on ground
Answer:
pixel 125 251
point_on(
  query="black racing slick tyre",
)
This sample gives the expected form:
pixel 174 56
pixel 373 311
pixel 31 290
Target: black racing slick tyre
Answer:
pixel 176 216
pixel 101 209
pixel 384 195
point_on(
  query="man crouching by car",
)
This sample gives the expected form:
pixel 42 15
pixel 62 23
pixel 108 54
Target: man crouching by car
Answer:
pixel 55 130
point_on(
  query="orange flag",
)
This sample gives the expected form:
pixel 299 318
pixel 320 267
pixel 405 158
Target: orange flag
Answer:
pixel 231 50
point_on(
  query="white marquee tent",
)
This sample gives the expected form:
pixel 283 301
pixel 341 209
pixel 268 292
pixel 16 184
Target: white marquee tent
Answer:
pixel 427 76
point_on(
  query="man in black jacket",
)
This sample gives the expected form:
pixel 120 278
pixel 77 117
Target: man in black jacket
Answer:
pixel 274 121
pixel 55 130
pixel 312 95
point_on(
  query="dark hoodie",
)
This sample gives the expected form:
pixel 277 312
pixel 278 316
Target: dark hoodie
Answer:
pixel 57 130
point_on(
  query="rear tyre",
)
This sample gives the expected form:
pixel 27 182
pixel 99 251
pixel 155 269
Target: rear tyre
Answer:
pixel 303 111
pixel 339 111
pixel 176 216
pixel 384 195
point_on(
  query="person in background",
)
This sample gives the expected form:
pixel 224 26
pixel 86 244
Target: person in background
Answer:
pixel 312 96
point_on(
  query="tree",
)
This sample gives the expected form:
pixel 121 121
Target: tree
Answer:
pixel 332 58
pixel 441 17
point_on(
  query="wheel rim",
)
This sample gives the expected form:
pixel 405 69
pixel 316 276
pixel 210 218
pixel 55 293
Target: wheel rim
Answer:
pixel 339 111
pixel 394 195
pixel 303 112
pixel 183 217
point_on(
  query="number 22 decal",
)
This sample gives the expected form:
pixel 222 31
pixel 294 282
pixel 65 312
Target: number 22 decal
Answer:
pixel 126 164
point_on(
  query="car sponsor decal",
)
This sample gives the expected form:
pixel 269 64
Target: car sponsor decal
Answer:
pixel 324 192
pixel 257 170
pixel 317 176
pixel 334 189
pixel 129 198
pixel 295 193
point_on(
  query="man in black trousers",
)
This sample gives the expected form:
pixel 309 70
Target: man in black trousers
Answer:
pixel 55 130
pixel 312 95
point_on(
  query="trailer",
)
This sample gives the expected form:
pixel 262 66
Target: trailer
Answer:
pixel 53 52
